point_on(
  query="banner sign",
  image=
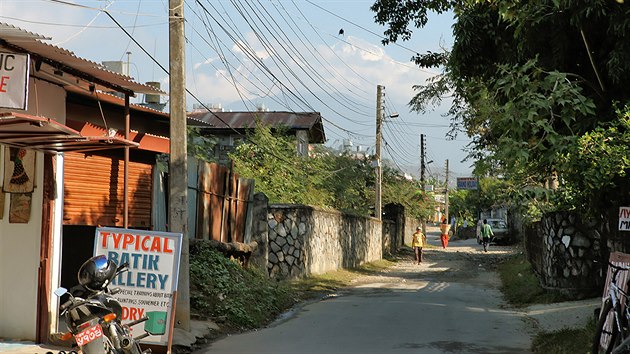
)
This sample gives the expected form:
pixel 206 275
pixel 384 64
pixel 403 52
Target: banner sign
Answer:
pixel 624 218
pixel 148 286
pixel 14 71
pixel 467 183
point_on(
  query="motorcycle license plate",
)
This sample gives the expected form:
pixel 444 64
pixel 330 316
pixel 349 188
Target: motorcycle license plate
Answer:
pixel 89 335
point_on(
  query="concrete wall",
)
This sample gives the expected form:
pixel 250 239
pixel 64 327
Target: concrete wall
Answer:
pixel 20 243
pixel 410 228
pixel 19 262
pixel 303 240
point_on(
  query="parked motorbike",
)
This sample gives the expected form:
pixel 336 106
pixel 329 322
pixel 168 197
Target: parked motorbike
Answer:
pixel 93 315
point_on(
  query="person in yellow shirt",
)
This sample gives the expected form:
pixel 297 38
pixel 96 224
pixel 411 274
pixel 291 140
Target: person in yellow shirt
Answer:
pixel 417 242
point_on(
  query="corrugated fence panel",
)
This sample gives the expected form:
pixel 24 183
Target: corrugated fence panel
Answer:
pixel 94 191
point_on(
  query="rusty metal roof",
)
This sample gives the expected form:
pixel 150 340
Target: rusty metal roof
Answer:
pixel 240 121
pixel 61 59
pixel 49 136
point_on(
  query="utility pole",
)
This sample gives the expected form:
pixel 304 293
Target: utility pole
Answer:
pixel 178 163
pixel 379 137
pixel 446 194
pixel 424 224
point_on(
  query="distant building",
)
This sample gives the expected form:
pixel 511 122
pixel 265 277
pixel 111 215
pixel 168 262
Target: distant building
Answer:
pixel 231 127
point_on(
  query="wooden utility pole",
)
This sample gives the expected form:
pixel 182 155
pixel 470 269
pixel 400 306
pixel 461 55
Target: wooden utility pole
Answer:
pixel 422 168
pixel 178 163
pixel 379 137
pixel 446 193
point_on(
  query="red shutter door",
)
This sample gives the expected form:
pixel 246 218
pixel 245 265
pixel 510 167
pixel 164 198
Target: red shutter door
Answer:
pixel 93 191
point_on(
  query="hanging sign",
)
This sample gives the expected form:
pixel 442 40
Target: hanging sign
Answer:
pixel 624 218
pixel 147 288
pixel 14 71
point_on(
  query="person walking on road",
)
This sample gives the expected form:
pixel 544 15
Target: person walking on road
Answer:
pixel 417 242
pixel 486 234
pixel 444 228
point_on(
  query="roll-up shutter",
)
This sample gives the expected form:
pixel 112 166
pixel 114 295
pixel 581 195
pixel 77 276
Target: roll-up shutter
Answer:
pixel 94 190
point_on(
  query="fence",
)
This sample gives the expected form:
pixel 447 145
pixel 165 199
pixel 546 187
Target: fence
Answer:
pixel 223 204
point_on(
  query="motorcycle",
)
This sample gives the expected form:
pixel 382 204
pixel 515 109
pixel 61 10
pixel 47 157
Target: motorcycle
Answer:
pixel 93 316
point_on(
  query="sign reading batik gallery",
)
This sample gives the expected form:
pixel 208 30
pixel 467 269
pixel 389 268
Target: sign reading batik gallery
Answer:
pixel 14 70
pixel 149 285
pixel 624 218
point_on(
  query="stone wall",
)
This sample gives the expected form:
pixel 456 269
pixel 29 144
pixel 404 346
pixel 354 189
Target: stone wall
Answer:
pixel 303 240
pixel 562 249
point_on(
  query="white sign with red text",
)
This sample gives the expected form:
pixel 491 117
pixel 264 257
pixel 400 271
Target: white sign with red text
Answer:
pixel 14 71
pixel 148 286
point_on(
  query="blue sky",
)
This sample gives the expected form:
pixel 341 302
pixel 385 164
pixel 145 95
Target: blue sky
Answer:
pixel 284 54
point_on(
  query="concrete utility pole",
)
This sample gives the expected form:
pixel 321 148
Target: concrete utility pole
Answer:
pixel 379 137
pixel 446 193
pixel 422 168
pixel 178 164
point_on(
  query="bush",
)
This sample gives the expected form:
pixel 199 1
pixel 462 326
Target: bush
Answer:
pixel 222 290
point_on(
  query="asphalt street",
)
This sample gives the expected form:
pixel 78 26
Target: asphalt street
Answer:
pixel 448 304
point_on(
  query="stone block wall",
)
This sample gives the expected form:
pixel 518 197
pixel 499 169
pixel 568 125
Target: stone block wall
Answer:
pixel 563 248
pixel 303 240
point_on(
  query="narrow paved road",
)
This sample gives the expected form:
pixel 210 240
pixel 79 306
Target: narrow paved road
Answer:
pixel 448 304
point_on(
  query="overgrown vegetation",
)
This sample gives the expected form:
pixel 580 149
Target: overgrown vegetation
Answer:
pixel 325 178
pixel 221 289
pixel 240 299
pixel 521 287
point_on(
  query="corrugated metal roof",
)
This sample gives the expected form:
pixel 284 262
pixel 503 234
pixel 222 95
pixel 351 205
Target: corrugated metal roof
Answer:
pixel 65 60
pixel 311 121
pixel 47 135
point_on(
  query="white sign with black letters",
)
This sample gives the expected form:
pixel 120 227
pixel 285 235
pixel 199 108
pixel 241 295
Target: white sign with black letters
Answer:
pixel 624 218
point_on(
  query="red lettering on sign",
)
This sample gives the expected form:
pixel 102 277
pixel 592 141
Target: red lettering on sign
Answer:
pixel 104 236
pixel 3 83
pixel 624 213
pixel 166 248
pixel 128 240
pixel 132 313
pixel 117 238
pixel 155 246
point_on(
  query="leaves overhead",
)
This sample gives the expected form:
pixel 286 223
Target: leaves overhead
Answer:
pixel 534 84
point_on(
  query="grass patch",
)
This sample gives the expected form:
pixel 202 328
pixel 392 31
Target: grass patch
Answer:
pixel 521 287
pixel 566 341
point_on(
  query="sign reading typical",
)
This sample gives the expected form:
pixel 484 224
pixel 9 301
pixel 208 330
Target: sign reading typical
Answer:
pixel 148 286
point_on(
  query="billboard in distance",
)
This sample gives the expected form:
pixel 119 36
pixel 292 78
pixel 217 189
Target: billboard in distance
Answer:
pixel 468 183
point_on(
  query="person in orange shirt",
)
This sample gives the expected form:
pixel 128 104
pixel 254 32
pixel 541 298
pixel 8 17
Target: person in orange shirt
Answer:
pixel 444 229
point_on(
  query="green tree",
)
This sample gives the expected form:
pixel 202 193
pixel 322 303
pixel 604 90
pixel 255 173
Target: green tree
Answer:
pixel 325 179
pixel 529 82
pixel 271 160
